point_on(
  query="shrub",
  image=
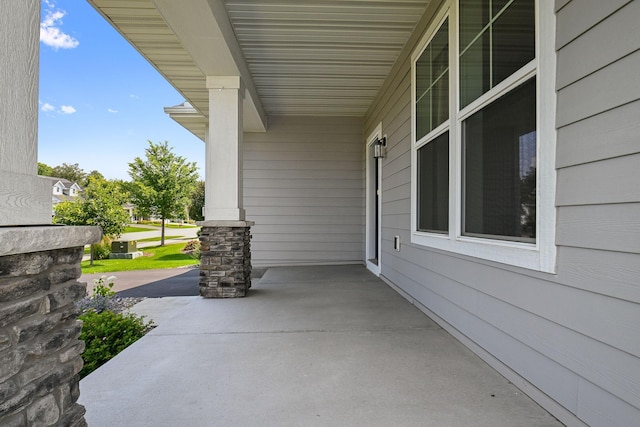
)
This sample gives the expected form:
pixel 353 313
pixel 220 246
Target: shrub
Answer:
pixel 192 248
pixel 106 334
pixel 102 250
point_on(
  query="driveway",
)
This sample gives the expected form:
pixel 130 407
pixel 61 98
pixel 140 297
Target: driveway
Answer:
pixel 169 282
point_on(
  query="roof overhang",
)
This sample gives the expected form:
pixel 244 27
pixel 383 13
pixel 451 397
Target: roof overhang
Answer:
pixel 189 118
pixel 186 41
pixel 315 57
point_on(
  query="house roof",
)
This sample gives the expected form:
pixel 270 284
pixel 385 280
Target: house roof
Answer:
pixel 65 182
pixel 317 57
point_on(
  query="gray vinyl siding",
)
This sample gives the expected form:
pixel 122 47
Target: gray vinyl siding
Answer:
pixel 303 187
pixel 573 335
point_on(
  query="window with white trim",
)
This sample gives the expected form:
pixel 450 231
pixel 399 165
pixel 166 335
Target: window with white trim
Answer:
pixel 483 145
pixel 432 112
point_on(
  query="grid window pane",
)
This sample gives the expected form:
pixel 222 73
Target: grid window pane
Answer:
pixel 499 155
pixel 423 116
pixel 423 74
pixel 475 70
pixel 433 185
pixel 497 38
pixel 432 80
pixel 514 43
pixel 439 47
pixel 474 16
pixel 440 101
pixel 498 5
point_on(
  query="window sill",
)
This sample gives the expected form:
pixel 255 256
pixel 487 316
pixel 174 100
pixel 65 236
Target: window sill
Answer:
pixel 525 255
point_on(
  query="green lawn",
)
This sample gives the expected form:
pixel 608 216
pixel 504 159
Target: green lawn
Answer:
pixel 131 229
pixel 181 226
pixel 168 256
pixel 157 239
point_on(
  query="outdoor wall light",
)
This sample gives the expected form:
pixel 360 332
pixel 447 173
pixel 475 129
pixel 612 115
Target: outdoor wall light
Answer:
pixel 379 148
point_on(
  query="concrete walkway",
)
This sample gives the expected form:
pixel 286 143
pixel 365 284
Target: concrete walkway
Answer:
pixel 309 346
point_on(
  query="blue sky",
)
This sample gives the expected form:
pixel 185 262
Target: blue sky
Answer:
pixel 100 100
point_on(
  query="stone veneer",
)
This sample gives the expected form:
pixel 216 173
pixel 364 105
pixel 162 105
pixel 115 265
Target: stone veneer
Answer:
pixel 225 263
pixel 39 346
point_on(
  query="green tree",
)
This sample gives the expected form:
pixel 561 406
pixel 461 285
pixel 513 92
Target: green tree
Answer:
pixel 71 172
pixel 93 174
pixel 70 213
pixel 104 200
pixel 101 205
pixel 197 202
pixel 162 183
pixel 44 169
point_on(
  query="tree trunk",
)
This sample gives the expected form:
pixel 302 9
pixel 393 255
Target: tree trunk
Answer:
pixel 162 235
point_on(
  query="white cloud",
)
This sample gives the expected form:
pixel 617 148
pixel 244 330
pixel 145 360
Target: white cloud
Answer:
pixel 132 96
pixel 111 110
pixel 67 109
pixel 46 107
pixel 50 32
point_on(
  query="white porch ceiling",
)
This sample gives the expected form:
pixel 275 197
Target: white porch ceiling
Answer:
pixel 321 57
pixel 302 57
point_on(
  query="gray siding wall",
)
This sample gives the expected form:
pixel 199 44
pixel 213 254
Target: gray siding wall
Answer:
pixel 304 188
pixel 574 337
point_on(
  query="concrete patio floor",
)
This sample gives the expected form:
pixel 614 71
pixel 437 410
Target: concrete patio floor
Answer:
pixel 309 346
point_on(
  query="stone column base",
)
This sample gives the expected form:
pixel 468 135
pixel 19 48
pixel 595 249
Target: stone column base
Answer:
pixel 39 331
pixel 225 258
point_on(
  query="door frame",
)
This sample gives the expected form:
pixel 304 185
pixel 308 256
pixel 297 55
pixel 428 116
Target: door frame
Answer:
pixel 373 214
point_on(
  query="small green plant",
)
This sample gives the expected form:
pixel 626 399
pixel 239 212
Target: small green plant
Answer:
pixel 104 286
pixel 103 296
pixel 106 334
pixel 102 250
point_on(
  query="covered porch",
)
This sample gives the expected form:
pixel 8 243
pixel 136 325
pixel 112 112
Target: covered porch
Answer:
pixel 291 99
pixel 323 345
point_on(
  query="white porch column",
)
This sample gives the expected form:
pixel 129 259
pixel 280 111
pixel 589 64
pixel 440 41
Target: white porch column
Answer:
pixel 225 239
pixel 24 197
pixel 223 166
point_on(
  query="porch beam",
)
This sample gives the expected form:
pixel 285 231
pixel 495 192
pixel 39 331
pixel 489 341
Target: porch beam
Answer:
pixel 204 30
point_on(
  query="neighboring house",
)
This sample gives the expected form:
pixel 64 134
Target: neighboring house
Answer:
pixel 63 190
pixel 131 210
pixel 67 191
pixel 488 112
